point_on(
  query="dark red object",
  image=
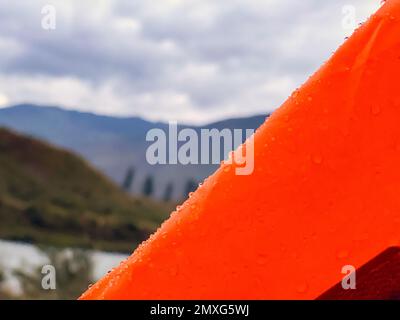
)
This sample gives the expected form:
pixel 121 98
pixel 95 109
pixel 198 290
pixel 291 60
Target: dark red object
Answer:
pixel 378 279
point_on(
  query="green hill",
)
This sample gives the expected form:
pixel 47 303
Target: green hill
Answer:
pixel 50 196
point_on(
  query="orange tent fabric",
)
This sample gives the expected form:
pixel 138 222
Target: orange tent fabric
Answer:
pixel 324 192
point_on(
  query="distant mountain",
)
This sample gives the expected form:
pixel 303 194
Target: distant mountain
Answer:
pixel 113 144
pixel 50 196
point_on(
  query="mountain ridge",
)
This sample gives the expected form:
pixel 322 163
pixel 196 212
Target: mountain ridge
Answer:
pixel 113 144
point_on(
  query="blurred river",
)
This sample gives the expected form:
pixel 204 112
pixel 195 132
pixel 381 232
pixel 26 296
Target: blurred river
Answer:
pixel 26 256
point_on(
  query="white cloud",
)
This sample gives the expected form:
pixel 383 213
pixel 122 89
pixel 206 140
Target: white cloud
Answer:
pixel 3 100
pixel 123 24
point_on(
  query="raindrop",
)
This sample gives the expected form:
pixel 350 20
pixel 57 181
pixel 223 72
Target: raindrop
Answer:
pixel 375 109
pixel 342 254
pixel 173 214
pixel 173 272
pixel 262 259
pixel 301 288
pixel 109 271
pixel 317 159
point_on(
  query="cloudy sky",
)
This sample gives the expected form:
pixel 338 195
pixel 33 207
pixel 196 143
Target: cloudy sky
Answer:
pixel 186 60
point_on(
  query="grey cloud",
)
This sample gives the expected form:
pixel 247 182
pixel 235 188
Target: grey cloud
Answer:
pixel 216 53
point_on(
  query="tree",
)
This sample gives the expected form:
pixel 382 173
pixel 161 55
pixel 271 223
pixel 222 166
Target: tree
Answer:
pixel 3 294
pixel 128 180
pixel 148 186
pixel 191 186
pixel 169 190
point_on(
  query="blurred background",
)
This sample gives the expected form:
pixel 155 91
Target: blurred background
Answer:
pixel 83 81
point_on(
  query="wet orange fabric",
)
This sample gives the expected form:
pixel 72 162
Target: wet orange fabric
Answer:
pixel 324 192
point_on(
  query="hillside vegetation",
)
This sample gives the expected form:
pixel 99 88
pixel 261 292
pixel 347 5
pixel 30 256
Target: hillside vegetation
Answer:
pixel 50 196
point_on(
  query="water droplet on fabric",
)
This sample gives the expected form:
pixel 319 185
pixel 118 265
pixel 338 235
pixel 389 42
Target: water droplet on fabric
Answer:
pixel 342 254
pixel 302 288
pixel 375 109
pixel 317 159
